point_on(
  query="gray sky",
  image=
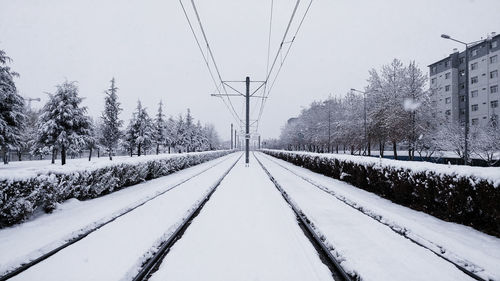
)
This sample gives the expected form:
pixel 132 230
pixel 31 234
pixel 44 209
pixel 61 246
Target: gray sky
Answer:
pixel 147 46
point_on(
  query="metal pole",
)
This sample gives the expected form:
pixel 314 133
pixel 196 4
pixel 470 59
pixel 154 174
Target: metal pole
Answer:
pixel 247 131
pixel 364 109
pixel 231 136
pixel 466 129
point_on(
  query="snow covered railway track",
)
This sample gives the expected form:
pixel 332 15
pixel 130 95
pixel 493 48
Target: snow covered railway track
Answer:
pixel 152 264
pixel 95 227
pixel 463 265
pixel 324 250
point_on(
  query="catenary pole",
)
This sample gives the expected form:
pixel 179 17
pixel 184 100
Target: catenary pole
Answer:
pixel 247 129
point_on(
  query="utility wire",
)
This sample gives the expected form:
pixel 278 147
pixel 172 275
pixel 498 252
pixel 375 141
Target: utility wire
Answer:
pixel 212 56
pixel 266 94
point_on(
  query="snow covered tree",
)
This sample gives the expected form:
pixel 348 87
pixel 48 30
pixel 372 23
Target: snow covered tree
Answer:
pixel 140 130
pixel 63 124
pixel 111 123
pixel 11 108
pixel 160 127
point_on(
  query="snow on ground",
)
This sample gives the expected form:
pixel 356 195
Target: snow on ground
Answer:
pixel 26 169
pixel 488 173
pixel 246 231
pixel 459 243
pixel 369 248
pixel 31 239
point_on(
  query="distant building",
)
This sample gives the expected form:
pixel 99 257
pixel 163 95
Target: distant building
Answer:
pixel 447 82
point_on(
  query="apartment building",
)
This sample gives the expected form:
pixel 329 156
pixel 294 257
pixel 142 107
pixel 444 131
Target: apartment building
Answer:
pixel 448 83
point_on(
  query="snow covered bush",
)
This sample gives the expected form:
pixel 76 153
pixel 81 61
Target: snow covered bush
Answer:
pixel 461 194
pixel 19 198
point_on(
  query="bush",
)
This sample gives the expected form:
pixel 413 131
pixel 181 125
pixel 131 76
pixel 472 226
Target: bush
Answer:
pixel 19 198
pixel 464 199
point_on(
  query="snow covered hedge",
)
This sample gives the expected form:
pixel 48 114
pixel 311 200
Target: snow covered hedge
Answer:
pixel 20 197
pixel 453 193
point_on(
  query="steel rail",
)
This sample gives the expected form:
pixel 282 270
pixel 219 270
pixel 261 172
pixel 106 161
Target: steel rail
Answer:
pixel 151 265
pixel 339 271
pixel 402 231
pixel 25 266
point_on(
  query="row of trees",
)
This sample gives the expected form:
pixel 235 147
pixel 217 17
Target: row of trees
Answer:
pixel 399 113
pixel 63 125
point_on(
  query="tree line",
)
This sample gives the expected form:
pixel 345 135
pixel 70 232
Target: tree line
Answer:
pixel 63 126
pixel 399 114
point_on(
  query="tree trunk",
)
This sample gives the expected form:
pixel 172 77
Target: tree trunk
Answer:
pixel 4 154
pixel 394 148
pixel 90 154
pixel 63 155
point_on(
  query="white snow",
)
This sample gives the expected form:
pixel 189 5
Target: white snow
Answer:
pixel 460 243
pixel 29 240
pixel 245 232
pixel 367 247
pixel 491 174
pixel 27 169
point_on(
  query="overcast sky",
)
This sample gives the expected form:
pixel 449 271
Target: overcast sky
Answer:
pixel 147 46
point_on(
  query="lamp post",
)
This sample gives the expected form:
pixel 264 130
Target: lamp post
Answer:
pixel 466 123
pixel 364 113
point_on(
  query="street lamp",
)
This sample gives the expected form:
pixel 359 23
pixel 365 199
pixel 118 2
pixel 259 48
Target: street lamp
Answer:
pixel 466 125
pixel 364 110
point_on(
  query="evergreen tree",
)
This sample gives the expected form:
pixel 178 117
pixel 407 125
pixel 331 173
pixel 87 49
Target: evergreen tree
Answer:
pixel 11 108
pixel 63 124
pixel 140 130
pixel 111 123
pixel 160 127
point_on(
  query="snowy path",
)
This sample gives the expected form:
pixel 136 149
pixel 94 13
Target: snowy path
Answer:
pixel 116 250
pixel 367 247
pixel 464 245
pixel 245 232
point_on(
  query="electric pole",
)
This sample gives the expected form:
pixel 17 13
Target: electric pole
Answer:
pixel 247 130
pixel 231 136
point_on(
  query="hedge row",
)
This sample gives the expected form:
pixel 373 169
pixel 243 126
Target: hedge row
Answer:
pixel 19 198
pixel 456 198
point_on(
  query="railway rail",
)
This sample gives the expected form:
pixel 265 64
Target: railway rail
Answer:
pixel 325 252
pixel 25 266
pixel 151 265
pixel 398 230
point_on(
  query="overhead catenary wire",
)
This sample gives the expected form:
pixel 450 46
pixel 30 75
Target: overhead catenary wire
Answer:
pixel 220 84
pixel 279 54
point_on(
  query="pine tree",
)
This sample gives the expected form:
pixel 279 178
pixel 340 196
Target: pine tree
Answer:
pixel 63 124
pixel 11 108
pixel 140 130
pixel 111 123
pixel 160 125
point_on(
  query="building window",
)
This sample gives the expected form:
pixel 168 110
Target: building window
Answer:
pixel 462 98
pixel 447 100
pixel 474 52
pixel 473 66
pixel 447 75
pixel 494 44
pixel 494 74
pixel 494 104
pixel 494 89
pixel 474 80
pixel 475 121
pixel 493 59
pixel 474 93
pixel 447 88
